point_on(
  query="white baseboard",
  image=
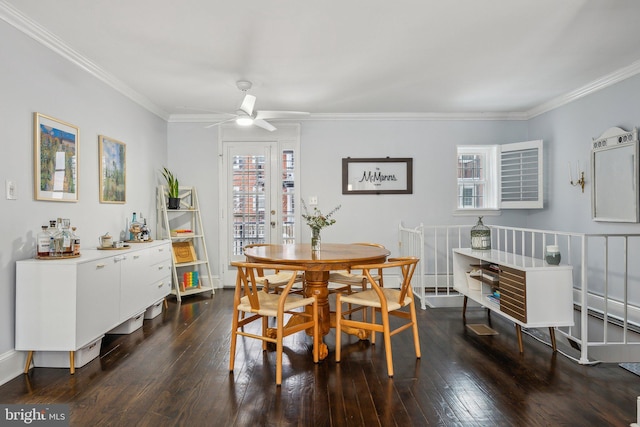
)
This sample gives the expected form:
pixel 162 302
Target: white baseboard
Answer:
pixel 11 365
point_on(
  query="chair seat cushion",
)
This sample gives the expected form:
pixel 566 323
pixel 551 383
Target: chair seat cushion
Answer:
pixel 269 303
pixel 370 298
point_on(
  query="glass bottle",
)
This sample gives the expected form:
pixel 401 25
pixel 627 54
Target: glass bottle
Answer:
pixel 132 232
pixel 56 241
pixel 75 241
pixel 51 231
pixel 144 234
pixel 67 248
pixel 480 236
pixel 43 242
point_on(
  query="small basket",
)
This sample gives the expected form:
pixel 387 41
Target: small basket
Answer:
pixel 473 283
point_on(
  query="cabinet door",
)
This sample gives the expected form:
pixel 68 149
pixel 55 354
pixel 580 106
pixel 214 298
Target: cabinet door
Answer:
pixel 98 299
pixel 135 280
pixel 45 306
pixel 513 293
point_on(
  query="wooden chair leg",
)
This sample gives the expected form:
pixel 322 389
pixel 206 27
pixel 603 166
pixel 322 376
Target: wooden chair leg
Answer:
pixel 279 349
pixel 338 327
pixel 373 320
pixel 29 360
pixel 72 362
pixel 386 332
pixel 416 338
pixel 234 338
pixel 552 335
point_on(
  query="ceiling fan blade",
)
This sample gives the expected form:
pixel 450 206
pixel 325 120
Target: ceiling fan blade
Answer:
pixel 280 114
pixel 264 124
pixel 248 103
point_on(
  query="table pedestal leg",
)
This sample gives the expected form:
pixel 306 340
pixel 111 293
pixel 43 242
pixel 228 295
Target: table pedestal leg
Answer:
pixel 316 283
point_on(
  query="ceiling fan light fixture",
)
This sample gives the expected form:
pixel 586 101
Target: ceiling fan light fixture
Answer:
pixel 244 121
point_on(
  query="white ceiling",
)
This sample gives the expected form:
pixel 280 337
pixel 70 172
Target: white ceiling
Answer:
pixel 344 57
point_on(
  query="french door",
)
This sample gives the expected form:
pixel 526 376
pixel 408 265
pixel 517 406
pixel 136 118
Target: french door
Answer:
pixel 260 196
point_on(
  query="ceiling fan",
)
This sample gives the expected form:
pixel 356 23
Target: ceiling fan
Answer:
pixel 247 116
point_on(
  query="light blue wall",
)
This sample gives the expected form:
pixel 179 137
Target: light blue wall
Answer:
pixel 567 132
pixel 35 79
pixel 431 144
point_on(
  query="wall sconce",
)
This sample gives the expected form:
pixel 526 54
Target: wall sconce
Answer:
pixel 580 173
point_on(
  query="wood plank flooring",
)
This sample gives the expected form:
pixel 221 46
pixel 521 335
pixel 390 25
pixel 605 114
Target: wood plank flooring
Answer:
pixel 174 371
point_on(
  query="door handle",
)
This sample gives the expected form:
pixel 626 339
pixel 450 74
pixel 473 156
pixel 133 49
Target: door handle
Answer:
pixel 273 224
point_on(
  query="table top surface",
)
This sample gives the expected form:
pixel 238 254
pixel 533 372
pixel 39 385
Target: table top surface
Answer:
pixel 330 253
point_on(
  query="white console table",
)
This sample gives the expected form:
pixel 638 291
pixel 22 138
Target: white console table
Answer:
pixel 65 304
pixel 533 294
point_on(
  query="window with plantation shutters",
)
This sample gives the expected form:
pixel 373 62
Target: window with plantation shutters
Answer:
pixel 493 177
pixel 521 175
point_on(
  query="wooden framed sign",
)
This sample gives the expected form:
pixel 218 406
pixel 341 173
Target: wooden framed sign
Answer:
pixel 377 176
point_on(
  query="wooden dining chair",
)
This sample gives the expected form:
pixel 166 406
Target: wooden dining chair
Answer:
pixel 344 281
pixel 387 302
pixel 275 280
pixel 249 299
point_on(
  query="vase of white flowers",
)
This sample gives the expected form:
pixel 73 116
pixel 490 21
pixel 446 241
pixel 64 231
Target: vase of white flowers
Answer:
pixel 317 221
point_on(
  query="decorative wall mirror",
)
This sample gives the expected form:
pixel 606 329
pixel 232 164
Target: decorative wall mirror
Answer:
pixel 614 169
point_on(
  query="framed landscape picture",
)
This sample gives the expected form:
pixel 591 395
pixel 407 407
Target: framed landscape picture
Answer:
pixel 113 170
pixel 55 156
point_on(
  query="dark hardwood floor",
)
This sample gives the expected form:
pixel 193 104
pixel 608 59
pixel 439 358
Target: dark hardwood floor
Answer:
pixel 174 371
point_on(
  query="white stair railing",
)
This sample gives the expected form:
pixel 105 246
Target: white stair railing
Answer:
pixel 604 275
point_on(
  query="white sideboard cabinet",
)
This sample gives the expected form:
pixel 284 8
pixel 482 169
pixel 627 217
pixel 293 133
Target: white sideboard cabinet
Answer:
pixel 533 294
pixel 65 305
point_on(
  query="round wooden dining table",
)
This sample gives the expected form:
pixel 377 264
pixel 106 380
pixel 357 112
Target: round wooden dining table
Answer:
pixel 317 265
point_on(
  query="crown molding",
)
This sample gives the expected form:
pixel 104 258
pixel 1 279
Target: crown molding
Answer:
pixel 416 116
pixel 23 23
pixel 201 118
pixel 588 89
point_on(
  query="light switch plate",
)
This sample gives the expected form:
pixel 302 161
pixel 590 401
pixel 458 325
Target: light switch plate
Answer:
pixel 313 200
pixel 10 190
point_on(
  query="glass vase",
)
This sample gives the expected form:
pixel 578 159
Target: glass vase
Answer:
pixel 315 240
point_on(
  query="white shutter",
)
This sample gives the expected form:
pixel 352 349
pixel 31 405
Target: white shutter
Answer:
pixel 521 175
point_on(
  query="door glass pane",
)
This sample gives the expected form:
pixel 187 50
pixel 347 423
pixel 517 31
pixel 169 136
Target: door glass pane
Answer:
pixel 248 197
pixel 288 197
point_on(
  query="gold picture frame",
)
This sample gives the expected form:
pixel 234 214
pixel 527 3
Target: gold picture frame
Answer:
pixel 183 252
pixel 55 159
pixel 112 165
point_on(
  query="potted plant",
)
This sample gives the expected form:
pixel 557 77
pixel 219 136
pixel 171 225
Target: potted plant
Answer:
pixel 172 189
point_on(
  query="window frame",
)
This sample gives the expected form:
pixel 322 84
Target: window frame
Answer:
pixel 496 159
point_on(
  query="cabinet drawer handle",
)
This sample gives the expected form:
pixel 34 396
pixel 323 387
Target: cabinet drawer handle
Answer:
pixel 160 267
pixel 161 284
pixel 100 266
pixel 136 256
